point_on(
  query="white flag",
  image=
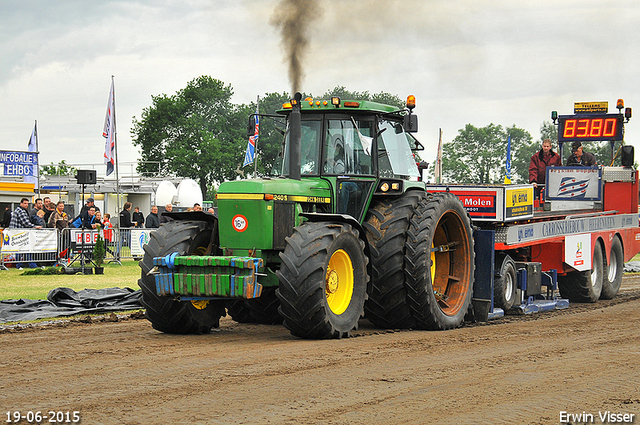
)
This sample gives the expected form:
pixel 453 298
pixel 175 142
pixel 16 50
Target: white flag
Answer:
pixel 33 147
pixel 109 133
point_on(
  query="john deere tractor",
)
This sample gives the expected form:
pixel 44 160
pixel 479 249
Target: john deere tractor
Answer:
pixel 347 229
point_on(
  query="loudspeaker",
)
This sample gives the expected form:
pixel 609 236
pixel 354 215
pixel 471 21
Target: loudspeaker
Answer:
pixel 627 156
pixel 86 176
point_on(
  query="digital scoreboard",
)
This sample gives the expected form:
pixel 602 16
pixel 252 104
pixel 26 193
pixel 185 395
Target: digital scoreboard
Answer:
pixel 591 127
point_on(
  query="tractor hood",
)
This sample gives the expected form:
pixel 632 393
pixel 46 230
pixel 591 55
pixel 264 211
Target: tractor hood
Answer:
pixel 278 187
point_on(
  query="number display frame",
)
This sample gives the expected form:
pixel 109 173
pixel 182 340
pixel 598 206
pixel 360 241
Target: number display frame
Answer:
pixel 590 127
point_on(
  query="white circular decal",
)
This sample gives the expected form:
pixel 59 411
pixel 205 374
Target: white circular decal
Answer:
pixel 240 223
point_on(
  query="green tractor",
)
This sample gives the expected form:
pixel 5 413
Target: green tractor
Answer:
pixel 347 229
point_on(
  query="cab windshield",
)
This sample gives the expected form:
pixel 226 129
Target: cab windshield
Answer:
pixel 394 153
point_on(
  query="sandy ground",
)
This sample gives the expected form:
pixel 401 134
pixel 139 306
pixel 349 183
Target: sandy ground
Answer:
pixel 515 370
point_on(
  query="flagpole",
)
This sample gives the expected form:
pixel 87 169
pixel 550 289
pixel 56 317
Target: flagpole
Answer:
pixel 37 171
pixel 115 144
pixel 255 156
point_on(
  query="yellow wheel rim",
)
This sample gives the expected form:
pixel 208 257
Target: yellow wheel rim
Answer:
pixel 339 282
pixel 433 264
pixel 200 304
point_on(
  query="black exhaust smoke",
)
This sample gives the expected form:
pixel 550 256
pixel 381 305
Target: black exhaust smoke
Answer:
pixel 295 137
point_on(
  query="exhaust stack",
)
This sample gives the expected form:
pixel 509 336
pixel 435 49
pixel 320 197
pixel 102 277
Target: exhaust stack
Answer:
pixel 295 136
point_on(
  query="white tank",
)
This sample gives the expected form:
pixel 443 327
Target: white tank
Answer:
pixel 188 193
pixel 165 193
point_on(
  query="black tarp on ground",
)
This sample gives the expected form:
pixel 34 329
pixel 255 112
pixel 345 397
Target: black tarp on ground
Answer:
pixel 67 302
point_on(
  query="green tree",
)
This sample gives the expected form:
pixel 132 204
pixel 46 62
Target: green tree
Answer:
pixel 478 155
pixel 59 169
pixel 382 97
pixel 196 133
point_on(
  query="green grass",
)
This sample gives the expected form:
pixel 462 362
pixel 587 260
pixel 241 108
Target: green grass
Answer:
pixel 15 285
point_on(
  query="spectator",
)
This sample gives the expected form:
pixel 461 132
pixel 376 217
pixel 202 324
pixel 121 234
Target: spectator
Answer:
pixel 98 220
pixel 88 221
pixel 107 232
pixel 84 212
pixel 49 208
pixel 211 210
pixel 164 219
pixel 579 157
pixel 36 207
pixel 59 219
pixel 153 222
pixel 108 228
pixel 125 223
pixel 539 163
pixel 20 220
pixel 38 219
pixel 138 218
pixel 20 217
pixel 125 216
pixel 6 219
pixel 197 207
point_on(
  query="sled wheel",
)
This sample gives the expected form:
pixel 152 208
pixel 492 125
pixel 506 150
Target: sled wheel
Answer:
pixel 505 290
pixel 613 275
pixel 584 286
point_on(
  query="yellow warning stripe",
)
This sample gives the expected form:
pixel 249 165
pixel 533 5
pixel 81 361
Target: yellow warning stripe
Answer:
pixel 260 196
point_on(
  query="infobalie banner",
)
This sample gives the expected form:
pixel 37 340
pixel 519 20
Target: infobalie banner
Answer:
pixel 19 163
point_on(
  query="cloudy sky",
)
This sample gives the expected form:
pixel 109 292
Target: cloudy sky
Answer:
pixel 466 61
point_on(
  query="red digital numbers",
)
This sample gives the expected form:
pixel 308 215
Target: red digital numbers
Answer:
pixel 582 128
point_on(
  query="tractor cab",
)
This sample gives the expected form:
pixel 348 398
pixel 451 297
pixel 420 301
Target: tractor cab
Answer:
pixel 359 147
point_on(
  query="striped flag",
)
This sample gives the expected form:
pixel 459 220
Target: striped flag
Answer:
pixel 109 133
pixel 253 141
pixel 570 187
pixel 507 174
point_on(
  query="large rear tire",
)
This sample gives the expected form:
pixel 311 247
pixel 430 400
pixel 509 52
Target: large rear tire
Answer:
pixel 505 289
pixel 584 286
pixel 164 313
pixel 323 280
pixel 613 275
pixel 386 227
pixel 439 263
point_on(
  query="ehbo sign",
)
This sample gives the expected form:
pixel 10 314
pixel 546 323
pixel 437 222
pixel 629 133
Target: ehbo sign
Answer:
pixel 18 163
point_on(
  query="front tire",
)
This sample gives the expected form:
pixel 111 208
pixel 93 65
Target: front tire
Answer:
pixel 323 280
pixel 164 313
pixel 439 263
pixel 613 275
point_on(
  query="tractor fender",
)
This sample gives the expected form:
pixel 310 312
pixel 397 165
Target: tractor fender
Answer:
pixel 192 216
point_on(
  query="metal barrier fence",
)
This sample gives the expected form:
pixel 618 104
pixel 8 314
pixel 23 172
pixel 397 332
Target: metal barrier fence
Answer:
pixel 47 247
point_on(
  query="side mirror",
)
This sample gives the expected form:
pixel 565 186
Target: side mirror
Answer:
pixel 411 123
pixel 251 125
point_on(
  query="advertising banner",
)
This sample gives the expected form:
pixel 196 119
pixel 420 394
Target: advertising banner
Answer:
pixel 139 238
pixel 29 240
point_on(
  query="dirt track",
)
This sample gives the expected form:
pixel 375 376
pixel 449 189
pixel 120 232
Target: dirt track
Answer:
pixel 514 370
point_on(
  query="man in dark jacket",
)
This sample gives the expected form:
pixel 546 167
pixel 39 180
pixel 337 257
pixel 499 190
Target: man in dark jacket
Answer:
pixel 540 161
pixel 138 218
pixel 579 157
pixel 153 221
pixel 125 216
